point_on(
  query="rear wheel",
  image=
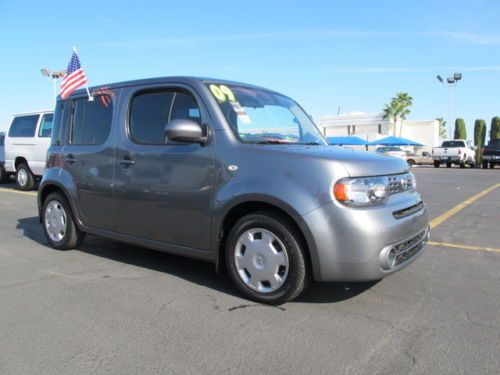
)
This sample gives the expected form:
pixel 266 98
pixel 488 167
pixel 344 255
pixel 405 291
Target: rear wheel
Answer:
pixel 59 224
pixel 448 165
pixel 266 259
pixel 437 164
pixel 24 178
pixel 485 164
pixel 411 162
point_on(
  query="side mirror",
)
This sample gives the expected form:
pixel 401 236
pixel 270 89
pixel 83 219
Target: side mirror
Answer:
pixel 185 131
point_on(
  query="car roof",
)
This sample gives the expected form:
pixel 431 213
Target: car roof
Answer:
pixel 188 80
pixel 34 113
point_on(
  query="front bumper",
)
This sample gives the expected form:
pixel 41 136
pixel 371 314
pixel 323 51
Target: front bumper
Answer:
pixel 491 157
pixel 354 244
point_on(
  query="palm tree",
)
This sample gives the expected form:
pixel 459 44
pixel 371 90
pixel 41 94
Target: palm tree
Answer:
pixel 443 133
pixel 398 108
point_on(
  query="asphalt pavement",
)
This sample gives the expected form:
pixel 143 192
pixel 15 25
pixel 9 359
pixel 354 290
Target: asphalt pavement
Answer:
pixel 112 308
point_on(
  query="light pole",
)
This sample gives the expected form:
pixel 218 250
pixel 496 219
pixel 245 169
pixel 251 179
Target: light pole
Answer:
pixel 451 81
pixel 55 76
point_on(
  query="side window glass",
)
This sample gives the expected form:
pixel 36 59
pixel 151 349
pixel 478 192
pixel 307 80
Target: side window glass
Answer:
pixel 185 107
pixel 149 114
pixel 24 126
pixel 45 130
pixel 58 123
pixel 91 121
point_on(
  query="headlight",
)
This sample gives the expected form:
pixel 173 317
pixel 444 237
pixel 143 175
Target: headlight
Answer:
pixel 361 192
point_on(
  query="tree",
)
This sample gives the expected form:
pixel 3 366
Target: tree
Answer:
pixel 495 128
pixel 398 108
pixel 460 130
pixel 479 138
pixel 443 133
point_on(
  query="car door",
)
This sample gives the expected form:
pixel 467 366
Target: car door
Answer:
pixel 42 143
pixel 163 190
pixel 88 157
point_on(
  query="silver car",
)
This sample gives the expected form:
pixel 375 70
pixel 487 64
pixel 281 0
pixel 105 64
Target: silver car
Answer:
pixel 229 173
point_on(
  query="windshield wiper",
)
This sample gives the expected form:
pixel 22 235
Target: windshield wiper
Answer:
pixel 309 143
pixel 270 142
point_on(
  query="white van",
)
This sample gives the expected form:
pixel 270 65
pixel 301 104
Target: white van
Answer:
pixel 26 145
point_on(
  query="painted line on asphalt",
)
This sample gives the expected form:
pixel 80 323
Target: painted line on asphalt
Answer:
pixel 17 192
pixel 459 207
pixel 464 247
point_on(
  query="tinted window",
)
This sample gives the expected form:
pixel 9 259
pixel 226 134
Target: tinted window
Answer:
pixel 45 130
pixel 57 125
pixel 453 144
pixel 91 121
pixel 24 126
pixel 151 111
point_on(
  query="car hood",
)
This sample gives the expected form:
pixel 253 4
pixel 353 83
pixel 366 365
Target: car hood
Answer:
pixel 356 163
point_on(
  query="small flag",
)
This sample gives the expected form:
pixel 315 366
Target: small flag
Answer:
pixel 74 78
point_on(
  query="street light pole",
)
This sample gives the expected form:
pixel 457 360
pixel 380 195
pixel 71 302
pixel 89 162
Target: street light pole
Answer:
pixel 55 75
pixel 451 81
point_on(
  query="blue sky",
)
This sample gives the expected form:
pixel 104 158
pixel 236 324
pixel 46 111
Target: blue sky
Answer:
pixel 325 54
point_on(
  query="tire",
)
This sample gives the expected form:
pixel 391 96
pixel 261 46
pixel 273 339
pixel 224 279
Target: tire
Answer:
pixel 462 164
pixel 411 162
pixel 290 271
pixel 24 178
pixel 437 164
pixel 3 174
pixel 448 165
pixel 59 224
pixel 485 164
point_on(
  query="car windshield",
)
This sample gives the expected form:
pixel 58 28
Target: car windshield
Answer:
pixel 264 117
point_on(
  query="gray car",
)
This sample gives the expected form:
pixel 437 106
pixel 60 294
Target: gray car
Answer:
pixel 232 174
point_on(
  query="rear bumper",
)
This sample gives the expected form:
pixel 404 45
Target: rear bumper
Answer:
pixel 444 159
pixel 492 157
pixel 367 244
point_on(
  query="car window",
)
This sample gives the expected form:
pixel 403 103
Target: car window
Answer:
pixel 45 130
pixel 91 121
pixel 24 126
pixel 2 139
pixel 151 110
pixel 453 144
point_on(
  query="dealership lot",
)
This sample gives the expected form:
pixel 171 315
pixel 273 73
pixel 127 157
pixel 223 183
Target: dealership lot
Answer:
pixel 115 308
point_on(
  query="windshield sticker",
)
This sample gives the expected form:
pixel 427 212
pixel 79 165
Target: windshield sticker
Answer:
pixel 222 93
pixel 218 93
pixel 241 113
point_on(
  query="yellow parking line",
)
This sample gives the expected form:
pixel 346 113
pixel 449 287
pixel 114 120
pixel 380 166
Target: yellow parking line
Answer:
pixel 17 192
pixel 465 247
pixel 459 207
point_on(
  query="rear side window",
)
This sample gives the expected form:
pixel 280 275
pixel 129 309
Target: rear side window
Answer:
pixel 91 121
pixel 151 110
pixel 24 126
pixel 46 126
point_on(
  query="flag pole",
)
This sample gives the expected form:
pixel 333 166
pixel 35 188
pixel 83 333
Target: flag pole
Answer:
pixel 91 98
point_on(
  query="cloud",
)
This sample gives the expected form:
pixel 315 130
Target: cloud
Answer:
pixel 379 69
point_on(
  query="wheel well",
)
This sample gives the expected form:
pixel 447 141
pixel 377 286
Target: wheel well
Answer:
pixel 246 208
pixel 20 160
pixel 49 189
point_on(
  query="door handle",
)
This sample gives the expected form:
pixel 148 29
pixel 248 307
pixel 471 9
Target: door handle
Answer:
pixel 69 159
pixel 125 163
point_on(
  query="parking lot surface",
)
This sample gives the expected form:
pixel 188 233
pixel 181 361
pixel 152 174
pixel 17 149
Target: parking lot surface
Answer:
pixel 113 308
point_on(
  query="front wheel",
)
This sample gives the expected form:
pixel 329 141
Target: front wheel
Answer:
pixel 266 259
pixel 3 174
pixel 411 162
pixel 24 178
pixel 485 164
pixel 58 223
pixel 448 165
pixel 437 164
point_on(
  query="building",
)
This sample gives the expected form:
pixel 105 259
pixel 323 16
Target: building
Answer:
pixel 373 126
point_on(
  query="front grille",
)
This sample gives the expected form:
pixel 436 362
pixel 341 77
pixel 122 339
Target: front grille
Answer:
pixel 408 249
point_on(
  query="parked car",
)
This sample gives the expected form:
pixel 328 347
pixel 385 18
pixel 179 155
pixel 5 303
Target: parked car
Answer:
pixel 457 151
pixel 491 153
pixel 391 151
pixel 3 173
pixel 26 147
pixel 425 158
pixel 161 163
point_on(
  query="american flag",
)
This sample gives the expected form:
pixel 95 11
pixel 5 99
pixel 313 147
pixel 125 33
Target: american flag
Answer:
pixel 74 78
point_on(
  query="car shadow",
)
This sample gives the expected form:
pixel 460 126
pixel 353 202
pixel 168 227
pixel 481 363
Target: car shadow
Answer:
pixel 195 271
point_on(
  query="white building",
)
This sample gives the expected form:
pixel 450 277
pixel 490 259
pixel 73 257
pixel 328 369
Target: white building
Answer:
pixel 372 126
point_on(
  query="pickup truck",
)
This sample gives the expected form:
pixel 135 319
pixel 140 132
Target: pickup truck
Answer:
pixel 456 151
pixel 423 159
pixel 491 153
